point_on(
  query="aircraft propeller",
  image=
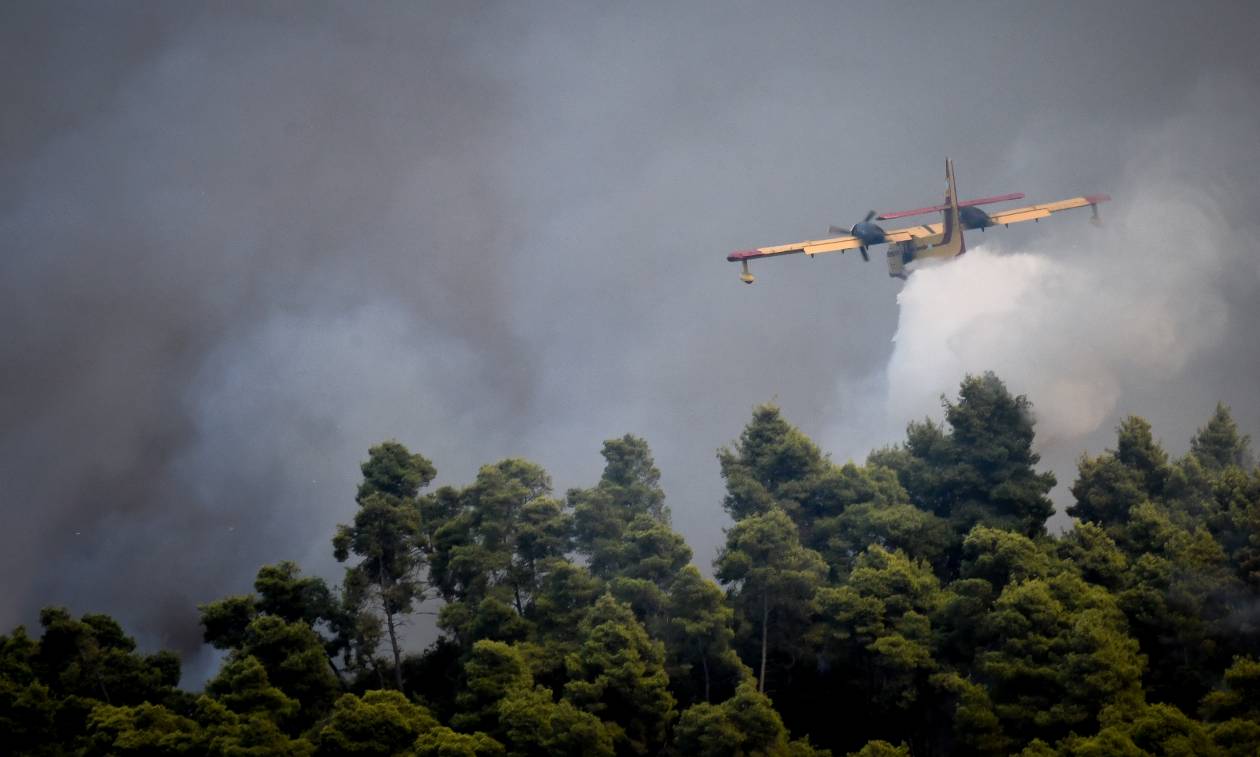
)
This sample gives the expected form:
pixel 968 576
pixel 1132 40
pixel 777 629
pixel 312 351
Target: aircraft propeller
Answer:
pixel 861 235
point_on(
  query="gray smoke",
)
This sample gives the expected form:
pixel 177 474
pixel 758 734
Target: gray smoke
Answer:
pixel 241 244
pixel 1096 324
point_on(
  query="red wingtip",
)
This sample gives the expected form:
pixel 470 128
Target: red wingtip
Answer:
pixel 739 255
pixel 1095 199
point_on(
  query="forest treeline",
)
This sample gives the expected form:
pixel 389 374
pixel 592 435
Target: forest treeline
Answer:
pixel 912 605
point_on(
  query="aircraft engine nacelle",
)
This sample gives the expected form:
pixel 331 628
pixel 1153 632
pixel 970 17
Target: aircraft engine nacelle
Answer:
pixel 869 233
pixel 974 218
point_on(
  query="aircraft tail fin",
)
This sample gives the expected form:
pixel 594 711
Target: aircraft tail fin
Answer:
pixel 952 239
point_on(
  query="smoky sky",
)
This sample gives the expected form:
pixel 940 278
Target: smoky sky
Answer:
pixel 242 243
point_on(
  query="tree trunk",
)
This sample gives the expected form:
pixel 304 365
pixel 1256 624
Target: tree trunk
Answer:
pixel 341 680
pixel 705 661
pixel 389 622
pixel 393 642
pixel 380 677
pixel 765 621
pixel 101 680
pixel 83 661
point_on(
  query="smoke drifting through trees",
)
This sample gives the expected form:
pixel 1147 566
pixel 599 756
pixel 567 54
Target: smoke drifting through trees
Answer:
pixel 918 594
pixel 242 245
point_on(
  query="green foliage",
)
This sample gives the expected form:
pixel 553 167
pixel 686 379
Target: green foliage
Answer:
pixel 500 698
pixel 387 537
pixel 225 732
pixel 224 621
pixel 391 469
pixel 1057 651
pixel 976 728
pixel 1149 729
pixel 565 594
pixel 49 687
pixel 147 729
pixel 243 687
pixel 1091 551
pixel 900 526
pixel 1003 557
pixel 1111 485
pixel 647 558
pixel 1220 444
pixel 493 671
pixel 911 605
pixel 498 538
pixel 294 661
pixel 745 724
pixel 378 723
pixel 384 536
pixel 1181 602
pixel 698 636
pixel 651 551
pixel 771 466
pixel 1137 450
pixel 618 675
pixel 880 748
pixel 143 729
pixel 1236 737
pixel 773 579
pixel 622 528
pixel 28 707
pixel 982 470
pixel 443 742
pixel 284 592
pixel 631 475
pixel 876 628
pixel 1238 696
pixel 532 723
pixel 92 657
pixel 1106 491
pixel 628 489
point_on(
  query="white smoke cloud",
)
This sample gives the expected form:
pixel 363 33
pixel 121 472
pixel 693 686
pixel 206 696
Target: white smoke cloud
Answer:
pixel 1082 320
pixel 333 385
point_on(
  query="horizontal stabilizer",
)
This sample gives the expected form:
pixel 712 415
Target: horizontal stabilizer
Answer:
pixel 963 204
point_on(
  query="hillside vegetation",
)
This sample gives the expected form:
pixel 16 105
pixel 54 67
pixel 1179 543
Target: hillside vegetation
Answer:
pixel 912 605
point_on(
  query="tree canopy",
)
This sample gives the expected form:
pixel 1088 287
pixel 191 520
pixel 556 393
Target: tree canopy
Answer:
pixel 911 604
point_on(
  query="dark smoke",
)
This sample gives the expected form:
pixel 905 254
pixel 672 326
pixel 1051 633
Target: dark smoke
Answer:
pixel 243 243
pixel 223 282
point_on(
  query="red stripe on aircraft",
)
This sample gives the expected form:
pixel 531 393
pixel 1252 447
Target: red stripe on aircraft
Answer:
pixel 963 204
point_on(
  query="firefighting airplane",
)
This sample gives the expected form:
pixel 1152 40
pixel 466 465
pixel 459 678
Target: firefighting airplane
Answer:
pixel 936 240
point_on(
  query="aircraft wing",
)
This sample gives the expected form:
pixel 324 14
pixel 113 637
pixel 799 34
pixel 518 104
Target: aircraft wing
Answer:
pixel 810 247
pixel 1044 210
pixel 915 232
pixel 814 247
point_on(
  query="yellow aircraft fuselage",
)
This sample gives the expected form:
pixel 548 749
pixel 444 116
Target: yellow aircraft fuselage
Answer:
pixel 948 243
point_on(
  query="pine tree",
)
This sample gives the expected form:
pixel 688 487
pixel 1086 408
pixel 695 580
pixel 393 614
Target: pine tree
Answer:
pixel 385 536
pixel 618 675
pixel 1220 444
pixel 772 579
